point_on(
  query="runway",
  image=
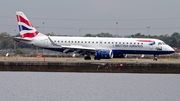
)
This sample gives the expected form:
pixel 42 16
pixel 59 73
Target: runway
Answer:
pixel 79 60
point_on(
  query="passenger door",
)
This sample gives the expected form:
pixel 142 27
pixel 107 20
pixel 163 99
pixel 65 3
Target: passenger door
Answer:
pixel 46 42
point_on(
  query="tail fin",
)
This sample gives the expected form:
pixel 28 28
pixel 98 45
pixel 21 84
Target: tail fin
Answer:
pixel 27 30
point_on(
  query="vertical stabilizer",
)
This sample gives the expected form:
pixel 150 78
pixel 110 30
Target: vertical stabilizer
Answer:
pixel 27 30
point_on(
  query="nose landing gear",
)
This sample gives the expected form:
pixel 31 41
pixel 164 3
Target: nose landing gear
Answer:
pixel 155 57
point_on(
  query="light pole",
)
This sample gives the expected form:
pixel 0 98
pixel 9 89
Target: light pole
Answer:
pixel 116 28
pixel 14 43
pixel 43 27
pixel 37 50
pixel 43 33
pixel 79 32
pixel 148 27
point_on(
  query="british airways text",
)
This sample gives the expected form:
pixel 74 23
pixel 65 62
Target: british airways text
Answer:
pixel 132 46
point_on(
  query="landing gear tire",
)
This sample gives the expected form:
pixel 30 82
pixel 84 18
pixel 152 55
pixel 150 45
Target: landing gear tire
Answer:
pixel 87 58
pixel 95 58
pixel 155 58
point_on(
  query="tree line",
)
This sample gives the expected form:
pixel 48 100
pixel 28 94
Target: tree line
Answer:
pixel 6 40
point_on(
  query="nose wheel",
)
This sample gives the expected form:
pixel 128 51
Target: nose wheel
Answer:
pixel 155 58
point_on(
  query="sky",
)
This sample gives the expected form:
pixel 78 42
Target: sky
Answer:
pixel 80 17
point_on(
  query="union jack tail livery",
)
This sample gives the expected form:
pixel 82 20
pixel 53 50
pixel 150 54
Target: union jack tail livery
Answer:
pixel 27 30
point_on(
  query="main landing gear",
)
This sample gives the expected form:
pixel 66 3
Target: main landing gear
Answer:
pixel 87 57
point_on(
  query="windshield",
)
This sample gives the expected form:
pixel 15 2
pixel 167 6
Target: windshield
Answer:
pixel 161 43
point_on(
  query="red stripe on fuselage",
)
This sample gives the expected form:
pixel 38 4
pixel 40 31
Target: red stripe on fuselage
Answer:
pixel 145 40
pixel 29 35
pixel 21 19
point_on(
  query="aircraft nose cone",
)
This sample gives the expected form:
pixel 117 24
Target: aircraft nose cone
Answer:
pixel 171 50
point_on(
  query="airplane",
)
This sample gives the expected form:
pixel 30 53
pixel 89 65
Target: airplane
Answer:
pixel 99 47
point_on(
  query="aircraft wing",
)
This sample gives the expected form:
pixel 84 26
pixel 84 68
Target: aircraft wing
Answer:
pixel 73 47
pixel 78 47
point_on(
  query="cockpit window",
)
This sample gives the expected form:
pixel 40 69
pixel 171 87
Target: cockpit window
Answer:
pixel 161 43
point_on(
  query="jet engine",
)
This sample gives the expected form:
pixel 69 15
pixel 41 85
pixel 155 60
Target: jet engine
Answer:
pixel 103 54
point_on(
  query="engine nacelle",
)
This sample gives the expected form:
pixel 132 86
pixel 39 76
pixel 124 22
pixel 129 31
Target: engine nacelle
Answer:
pixel 103 54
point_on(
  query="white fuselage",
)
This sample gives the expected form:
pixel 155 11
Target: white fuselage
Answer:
pixel 126 45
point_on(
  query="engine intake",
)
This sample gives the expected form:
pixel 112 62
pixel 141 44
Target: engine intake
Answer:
pixel 103 54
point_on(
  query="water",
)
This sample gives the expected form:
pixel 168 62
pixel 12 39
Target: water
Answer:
pixel 58 86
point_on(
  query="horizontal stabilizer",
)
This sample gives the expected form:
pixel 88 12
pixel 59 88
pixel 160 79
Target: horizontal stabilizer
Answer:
pixel 22 39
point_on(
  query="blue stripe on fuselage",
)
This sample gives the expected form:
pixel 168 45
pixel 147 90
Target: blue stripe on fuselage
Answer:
pixel 124 51
pixel 141 52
